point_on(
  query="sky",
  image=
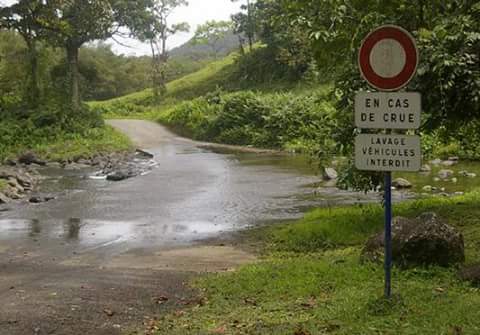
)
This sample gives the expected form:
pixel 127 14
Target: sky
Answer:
pixel 198 12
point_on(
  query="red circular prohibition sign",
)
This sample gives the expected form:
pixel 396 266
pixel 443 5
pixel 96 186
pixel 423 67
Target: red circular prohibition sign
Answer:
pixel 405 76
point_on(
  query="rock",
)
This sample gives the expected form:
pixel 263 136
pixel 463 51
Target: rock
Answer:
pixel 30 158
pixel 426 168
pixel 12 193
pixel 85 162
pixel 436 179
pixel 120 175
pixel 401 183
pixel 467 174
pixel 471 274
pixel 459 193
pixel 12 182
pixel 454 180
pixel 10 162
pixel 449 163
pixel 144 153
pixel 330 174
pixel 36 200
pixel 55 165
pixel 426 240
pixel 445 174
pixel 427 188
pixel 4 199
pixel 454 158
pixel 436 161
pixel 109 312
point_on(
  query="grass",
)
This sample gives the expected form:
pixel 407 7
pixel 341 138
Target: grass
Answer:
pixel 351 226
pixel 64 147
pixel 311 282
pixel 140 104
pixel 221 74
pixel 97 141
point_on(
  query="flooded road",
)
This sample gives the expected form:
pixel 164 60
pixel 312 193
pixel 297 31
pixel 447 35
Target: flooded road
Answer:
pixel 191 194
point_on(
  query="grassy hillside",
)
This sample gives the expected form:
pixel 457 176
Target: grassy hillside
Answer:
pixel 235 72
pixel 242 100
pixel 191 86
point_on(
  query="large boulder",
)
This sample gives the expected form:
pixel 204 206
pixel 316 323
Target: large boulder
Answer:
pixel 330 174
pixel 121 175
pixel 425 240
pixel 29 158
pixel 401 183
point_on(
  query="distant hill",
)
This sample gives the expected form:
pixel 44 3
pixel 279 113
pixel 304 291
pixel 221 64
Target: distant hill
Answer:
pixel 199 52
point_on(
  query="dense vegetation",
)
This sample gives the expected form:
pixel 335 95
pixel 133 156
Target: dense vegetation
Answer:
pixel 47 67
pixel 303 45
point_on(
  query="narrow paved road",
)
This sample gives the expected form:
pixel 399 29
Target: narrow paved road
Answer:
pixel 98 259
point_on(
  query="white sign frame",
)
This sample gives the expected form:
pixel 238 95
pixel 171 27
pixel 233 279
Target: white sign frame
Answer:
pixel 388 153
pixel 382 110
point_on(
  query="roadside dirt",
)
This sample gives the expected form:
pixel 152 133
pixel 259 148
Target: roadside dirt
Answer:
pixel 70 296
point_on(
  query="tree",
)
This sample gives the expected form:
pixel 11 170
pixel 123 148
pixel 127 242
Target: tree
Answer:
pixel 245 23
pixel 211 33
pixel 72 23
pixel 448 78
pixel 157 32
pixel 23 17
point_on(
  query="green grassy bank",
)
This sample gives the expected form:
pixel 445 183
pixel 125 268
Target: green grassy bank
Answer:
pixel 59 138
pixel 310 281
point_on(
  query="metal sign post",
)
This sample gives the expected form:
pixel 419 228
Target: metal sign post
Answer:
pixel 388 60
pixel 388 234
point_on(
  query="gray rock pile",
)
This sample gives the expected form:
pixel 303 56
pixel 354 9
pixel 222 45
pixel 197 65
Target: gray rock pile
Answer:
pixel 425 240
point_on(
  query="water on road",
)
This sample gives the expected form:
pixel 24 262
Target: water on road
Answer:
pixel 192 194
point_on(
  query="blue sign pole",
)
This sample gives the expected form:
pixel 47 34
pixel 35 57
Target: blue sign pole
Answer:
pixel 388 235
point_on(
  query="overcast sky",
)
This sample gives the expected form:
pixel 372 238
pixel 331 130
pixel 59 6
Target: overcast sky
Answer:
pixel 196 13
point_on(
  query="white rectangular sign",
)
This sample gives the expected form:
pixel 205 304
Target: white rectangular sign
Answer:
pixel 377 152
pixel 388 110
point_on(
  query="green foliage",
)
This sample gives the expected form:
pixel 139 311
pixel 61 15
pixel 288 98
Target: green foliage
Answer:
pixel 262 120
pixel 57 132
pixel 212 33
pixel 449 76
pixel 349 226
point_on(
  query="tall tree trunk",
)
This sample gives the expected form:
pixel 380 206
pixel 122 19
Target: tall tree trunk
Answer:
pixel 155 70
pixel 73 75
pixel 250 30
pixel 240 43
pixel 163 65
pixel 33 94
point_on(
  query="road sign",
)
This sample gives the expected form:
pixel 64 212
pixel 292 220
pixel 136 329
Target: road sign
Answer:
pixel 388 58
pixel 388 110
pixel 379 152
